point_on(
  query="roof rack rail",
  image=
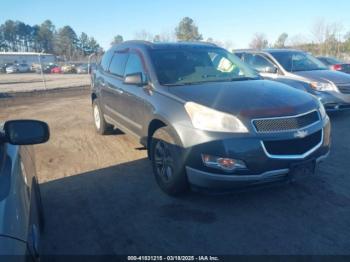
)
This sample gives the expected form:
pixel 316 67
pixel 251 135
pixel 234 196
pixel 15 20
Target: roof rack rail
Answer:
pixel 137 42
pixel 197 42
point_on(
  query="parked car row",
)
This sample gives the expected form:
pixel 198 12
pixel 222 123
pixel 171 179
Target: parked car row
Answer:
pixel 11 68
pixel 50 68
pixel 65 69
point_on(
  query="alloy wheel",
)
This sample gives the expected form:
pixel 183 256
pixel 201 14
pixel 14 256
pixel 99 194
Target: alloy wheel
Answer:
pixel 163 161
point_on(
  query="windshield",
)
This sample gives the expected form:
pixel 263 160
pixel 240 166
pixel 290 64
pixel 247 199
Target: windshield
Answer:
pixel 195 65
pixel 298 61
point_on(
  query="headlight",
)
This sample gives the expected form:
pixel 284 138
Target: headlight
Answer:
pixel 322 110
pixel 323 86
pixel 208 119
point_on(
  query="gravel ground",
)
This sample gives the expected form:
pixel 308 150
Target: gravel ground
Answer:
pixel 100 196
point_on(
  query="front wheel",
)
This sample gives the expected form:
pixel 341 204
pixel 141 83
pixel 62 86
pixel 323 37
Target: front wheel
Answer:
pixel 167 162
pixel 101 126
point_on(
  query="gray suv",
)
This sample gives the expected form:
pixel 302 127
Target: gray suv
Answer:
pixel 207 119
pixel 302 71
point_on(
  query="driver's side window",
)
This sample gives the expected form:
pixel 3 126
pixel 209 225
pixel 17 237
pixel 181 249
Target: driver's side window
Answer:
pixel 258 62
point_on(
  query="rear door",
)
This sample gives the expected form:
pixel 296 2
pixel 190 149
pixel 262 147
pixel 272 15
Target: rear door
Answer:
pixel 99 78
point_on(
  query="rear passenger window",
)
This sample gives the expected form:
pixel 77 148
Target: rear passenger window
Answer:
pixel 134 65
pixel 106 59
pixel 117 66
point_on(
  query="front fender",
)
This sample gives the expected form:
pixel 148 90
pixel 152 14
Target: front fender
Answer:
pixel 173 128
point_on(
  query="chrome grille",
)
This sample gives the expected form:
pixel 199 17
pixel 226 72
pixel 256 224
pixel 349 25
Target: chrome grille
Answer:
pixel 344 88
pixel 283 124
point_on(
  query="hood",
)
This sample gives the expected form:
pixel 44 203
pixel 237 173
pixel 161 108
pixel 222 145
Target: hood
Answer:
pixel 325 76
pixel 248 99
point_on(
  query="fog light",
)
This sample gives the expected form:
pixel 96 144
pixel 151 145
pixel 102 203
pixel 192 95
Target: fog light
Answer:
pixel 227 164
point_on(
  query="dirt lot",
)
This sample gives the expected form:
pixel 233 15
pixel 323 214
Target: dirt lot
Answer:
pixel 100 197
pixel 10 83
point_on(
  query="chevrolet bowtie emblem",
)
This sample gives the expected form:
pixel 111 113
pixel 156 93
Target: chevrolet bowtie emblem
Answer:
pixel 301 134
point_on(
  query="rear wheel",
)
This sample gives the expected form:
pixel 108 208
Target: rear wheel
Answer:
pixel 168 165
pixel 101 126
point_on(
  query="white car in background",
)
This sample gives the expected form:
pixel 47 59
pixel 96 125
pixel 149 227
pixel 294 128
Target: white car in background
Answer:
pixel 11 69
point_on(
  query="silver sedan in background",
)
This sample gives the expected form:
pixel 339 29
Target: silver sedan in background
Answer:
pixel 303 71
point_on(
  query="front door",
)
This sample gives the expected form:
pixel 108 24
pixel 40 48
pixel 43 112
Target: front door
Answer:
pixel 134 98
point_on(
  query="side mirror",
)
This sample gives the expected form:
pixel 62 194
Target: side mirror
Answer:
pixel 134 79
pixel 26 132
pixel 270 69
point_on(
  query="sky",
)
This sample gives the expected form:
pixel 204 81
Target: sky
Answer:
pixel 234 21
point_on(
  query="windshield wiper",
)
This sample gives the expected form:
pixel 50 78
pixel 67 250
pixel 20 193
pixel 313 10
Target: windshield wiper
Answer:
pixel 179 84
pixel 244 78
pixel 313 69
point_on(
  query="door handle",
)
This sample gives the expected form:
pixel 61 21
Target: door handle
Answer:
pixel 119 91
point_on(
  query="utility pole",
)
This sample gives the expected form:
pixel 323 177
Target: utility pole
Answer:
pixel 42 72
pixel 89 62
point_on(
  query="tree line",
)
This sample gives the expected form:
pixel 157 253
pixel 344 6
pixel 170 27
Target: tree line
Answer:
pixel 187 30
pixel 325 38
pixel 18 36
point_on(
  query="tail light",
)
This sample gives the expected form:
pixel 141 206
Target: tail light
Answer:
pixel 337 67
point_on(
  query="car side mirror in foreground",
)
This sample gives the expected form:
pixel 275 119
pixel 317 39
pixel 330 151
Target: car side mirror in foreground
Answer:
pixel 134 79
pixel 26 132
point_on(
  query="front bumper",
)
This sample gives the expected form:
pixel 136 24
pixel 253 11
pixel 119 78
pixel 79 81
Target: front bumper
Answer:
pixel 261 167
pixel 203 179
pixel 334 101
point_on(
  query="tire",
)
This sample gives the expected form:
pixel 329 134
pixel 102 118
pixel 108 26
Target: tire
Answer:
pixel 167 163
pixel 101 126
